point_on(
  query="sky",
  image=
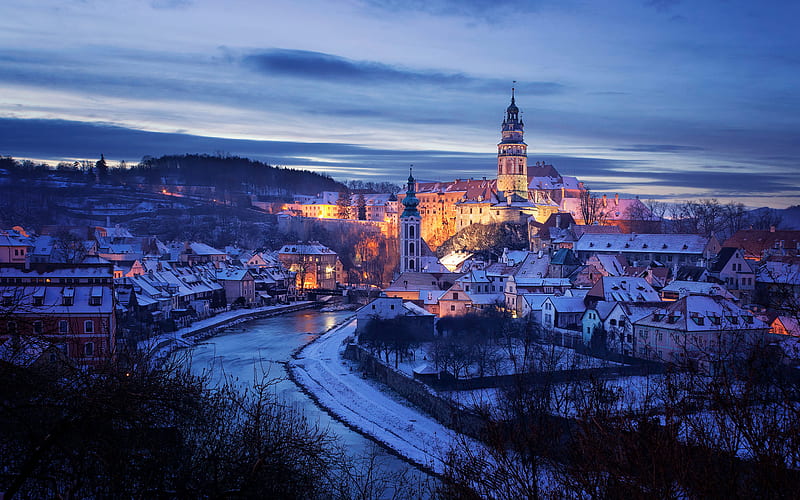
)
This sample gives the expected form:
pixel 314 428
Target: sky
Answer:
pixel 662 99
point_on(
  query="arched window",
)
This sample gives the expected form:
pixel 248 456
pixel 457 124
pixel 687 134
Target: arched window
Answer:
pixel 411 248
pixel 410 231
pixel 411 263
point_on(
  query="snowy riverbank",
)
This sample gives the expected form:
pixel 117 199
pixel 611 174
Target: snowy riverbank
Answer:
pixel 367 406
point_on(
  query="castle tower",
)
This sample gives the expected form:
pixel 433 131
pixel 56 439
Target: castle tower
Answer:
pixel 512 155
pixel 410 239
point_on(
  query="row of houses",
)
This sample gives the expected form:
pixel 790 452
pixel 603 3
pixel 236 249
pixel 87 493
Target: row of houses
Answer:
pixel 86 308
pixel 649 296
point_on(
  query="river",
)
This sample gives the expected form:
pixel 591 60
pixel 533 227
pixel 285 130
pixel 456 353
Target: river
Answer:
pixel 247 351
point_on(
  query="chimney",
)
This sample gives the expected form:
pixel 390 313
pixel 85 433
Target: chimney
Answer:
pixel 558 221
pixel 616 199
pixel 771 229
pixel 605 201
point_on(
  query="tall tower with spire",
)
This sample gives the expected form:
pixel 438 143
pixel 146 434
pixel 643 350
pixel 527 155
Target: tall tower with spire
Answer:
pixel 512 155
pixel 410 238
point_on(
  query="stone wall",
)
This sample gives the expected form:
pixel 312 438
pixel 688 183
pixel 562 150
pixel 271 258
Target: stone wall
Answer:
pixel 419 394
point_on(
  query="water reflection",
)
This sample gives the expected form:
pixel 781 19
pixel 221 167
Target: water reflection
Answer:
pixel 253 350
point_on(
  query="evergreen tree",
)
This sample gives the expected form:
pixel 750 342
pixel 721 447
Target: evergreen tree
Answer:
pixel 102 167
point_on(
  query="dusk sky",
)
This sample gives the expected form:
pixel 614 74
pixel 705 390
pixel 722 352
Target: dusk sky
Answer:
pixel 663 99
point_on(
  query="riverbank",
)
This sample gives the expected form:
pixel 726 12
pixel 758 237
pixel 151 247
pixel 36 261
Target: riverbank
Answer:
pixel 368 407
pixel 204 328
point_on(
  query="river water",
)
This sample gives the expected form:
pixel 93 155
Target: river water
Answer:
pixel 246 352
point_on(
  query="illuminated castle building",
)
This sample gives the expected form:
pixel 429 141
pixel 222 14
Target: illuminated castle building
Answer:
pixel 518 192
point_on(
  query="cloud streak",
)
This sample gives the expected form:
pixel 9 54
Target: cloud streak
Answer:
pixel 325 67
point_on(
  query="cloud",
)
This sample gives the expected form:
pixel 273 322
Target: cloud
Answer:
pixel 658 148
pixel 170 4
pixel 331 68
pixel 486 10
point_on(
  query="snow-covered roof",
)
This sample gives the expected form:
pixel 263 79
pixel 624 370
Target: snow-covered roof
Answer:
pixel 203 249
pixel 779 273
pixel 635 311
pixel 311 248
pixel 612 264
pixel 535 300
pixel 486 298
pixel 603 308
pixel 790 323
pixel 535 265
pixel 12 239
pixel 538 282
pixel 642 243
pixel 513 257
pixel 568 304
pixel 232 274
pixel 415 310
pixel 697 288
pixel 624 289
pixel 453 260
pixel 702 313
pixel 37 300
pixel 100 270
pixel 423 281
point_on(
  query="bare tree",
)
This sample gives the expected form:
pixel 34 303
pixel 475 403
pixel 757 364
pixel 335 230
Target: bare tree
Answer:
pixel 592 210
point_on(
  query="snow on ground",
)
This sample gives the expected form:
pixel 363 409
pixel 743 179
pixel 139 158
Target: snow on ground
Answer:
pixel 544 357
pixel 367 406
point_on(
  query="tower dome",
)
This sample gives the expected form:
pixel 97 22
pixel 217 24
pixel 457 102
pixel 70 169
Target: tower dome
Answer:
pixel 410 201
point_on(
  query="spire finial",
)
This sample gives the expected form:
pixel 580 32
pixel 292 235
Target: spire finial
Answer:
pixel 514 83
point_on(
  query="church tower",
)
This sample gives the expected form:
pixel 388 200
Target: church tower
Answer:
pixel 410 239
pixel 512 155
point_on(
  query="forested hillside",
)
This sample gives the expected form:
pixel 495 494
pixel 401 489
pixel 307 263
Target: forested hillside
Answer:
pixel 234 173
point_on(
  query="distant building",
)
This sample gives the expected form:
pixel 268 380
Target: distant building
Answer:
pixel 760 244
pixel 414 317
pixel 707 331
pixel 69 306
pixel 314 264
pixel 14 247
pixel 239 285
pixel 670 250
